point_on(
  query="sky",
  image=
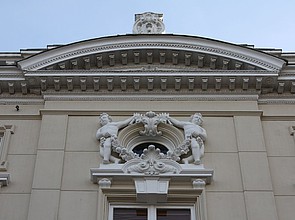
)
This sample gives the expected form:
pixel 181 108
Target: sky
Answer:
pixel 33 24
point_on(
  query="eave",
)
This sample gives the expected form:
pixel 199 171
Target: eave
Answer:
pixel 125 48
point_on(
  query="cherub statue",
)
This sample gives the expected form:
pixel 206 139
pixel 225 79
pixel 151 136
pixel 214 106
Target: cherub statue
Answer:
pixel 107 135
pixel 193 133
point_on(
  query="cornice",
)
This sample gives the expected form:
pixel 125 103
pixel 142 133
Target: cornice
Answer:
pixel 12 77
pixel 8 100
pixel 278 118
pixel 149 97
pixel 100 82
pixel 139 42
pixel 278 101
pixel 182 113
pixel 21 117
pixel 152 72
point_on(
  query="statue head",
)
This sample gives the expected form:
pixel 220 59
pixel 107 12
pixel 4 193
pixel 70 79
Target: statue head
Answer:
pixel 197 118
pixel 104 118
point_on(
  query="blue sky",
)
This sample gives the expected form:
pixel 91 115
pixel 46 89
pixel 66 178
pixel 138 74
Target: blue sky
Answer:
pixel 38 23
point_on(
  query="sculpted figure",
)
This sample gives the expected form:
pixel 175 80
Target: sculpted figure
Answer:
pixel 194 133
pixel 107 135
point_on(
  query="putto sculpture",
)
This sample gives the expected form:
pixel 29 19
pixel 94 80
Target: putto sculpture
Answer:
pixel 194 138
pixel 107 135
pixel 194 134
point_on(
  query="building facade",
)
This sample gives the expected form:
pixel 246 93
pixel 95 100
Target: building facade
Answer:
pixel 111 128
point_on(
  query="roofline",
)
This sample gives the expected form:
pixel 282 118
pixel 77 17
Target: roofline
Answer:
pixel 152 36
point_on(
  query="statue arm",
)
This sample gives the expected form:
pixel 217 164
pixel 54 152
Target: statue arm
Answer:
pixel 177 123
pixel 121 124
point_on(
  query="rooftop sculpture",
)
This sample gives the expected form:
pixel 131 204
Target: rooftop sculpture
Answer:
pixel 148 23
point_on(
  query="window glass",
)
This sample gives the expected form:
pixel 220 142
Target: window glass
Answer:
pixel 130 214
pixel 173 214
pixel 139 148
pixel 151 213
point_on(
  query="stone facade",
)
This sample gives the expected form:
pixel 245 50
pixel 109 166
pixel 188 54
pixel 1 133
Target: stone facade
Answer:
pixel 51 100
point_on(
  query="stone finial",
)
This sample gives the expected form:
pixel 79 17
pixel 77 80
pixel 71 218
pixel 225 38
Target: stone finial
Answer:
pixel 148 23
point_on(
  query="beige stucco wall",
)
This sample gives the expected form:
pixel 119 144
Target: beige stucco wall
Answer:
pixel 281 155
pixel 15 198
pixel 52 151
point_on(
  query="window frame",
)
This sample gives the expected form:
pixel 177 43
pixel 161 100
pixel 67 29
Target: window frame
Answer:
pixel 152 209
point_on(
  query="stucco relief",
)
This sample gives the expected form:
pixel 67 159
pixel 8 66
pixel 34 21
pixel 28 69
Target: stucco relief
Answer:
pixel 107 135
pixel 148 23
pixel 152 160
pixel 194 134
pixel 150 120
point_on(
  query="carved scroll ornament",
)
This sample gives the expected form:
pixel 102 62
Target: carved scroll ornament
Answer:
pixel 152 160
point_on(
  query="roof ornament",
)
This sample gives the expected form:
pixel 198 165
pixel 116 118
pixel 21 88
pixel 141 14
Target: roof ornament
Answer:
pixel 148 23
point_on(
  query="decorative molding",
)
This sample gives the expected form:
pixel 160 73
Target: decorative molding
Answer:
pixel 4 179
pixel 21 101
pixel 151 162
pixel 179 113
pixel 207 82
pixel 148 97
pixel 150 120
pixel 105 183
pixel 277 101
pixel 172 42
pixel 5 134
pixel 292 130
pixel 151 190
pixel 199 183
pixel 14 77
pixel 149 72
pixel 148 23
pixel 157 82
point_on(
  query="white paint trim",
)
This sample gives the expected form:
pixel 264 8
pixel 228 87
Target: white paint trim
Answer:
pixel 168 42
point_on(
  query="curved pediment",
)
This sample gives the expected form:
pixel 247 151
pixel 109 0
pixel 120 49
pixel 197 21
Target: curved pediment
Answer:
pixel 133 52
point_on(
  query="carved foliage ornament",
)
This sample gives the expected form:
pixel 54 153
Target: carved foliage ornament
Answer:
pixel 152 161
pixel 151 120
pixel 148 23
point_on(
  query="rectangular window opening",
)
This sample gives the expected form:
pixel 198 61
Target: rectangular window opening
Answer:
pixel 151 213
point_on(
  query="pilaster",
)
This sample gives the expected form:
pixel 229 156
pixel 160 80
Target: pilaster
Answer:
pixel 256 179
pixel 46 189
